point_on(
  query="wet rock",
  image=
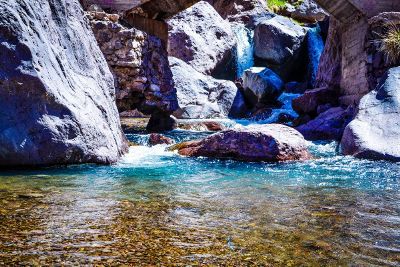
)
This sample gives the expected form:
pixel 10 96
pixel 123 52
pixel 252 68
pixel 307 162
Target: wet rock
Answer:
pixel 160 122
pixel 329 125
pixel 159 139
pixel 308 102
pixel 57 96
pixel 261 85
pixel 269 143
pixel 202 38
pixel 375 131
pixel 278 42
pixel 201 96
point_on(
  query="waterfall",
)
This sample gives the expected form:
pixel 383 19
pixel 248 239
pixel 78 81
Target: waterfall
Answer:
pixel 244 49
pixel 315 46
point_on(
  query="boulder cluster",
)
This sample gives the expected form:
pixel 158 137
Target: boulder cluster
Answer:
pixel 68 72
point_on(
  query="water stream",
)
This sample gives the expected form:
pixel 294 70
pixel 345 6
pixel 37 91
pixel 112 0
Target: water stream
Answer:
pixel 158 208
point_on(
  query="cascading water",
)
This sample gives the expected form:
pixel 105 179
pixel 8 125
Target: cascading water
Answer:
pixel 315 46
pixel 244 50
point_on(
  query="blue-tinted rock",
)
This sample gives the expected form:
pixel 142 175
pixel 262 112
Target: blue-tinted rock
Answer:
pixel 57 96
pixel 261 86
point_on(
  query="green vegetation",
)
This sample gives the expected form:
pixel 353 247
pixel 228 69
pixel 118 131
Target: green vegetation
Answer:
pixel 276 5
pixel 391 43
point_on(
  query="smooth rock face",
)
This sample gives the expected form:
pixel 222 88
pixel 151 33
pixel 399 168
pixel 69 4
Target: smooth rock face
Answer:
pixel 203 39
pixel 201 96
pixel 329 125
pixel 375 132
pixel 269 143
pixel 261 85
pixel 278 40
pixel 57 99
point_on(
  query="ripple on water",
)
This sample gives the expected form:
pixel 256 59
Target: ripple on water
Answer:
pixel 158 207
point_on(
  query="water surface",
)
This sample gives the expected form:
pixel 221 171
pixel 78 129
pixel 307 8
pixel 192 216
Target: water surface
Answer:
pixel 157 208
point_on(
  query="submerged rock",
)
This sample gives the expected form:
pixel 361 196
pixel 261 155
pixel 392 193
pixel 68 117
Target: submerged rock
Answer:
pixel 329 125
pixel 202 38
pixel 57 96
pixel 269 143
pixel 375 132
pixel 201 96
pixel 159 139
pixel 261 85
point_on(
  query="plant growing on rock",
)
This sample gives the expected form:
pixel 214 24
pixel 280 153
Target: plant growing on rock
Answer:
pixel 391 43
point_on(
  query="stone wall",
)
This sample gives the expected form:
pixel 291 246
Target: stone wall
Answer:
pixel 139 63
pixel 351 38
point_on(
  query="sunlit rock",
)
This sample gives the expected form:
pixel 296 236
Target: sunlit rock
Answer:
pixel 269 143
pixel 57 96
pixel 375 132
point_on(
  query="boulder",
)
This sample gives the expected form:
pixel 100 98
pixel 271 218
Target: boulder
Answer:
pixel 308 11
pixel 246 12
pixel 309 102
pixel 202 38
pixel 278 42
pixel 269 143
pixel 159 139
pixel 329 125
pixel 261 86
pixel 57 95
pixel 201 96
pixel 375 131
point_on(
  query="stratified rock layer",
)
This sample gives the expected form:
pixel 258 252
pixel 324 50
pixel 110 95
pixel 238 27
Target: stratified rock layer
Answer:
pixel 375 132
pixel 57 99
pixel 269 143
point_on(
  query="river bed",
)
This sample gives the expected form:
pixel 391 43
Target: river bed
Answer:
pixel 156 208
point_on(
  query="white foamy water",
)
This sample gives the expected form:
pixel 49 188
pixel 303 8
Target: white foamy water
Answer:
pixel 145 155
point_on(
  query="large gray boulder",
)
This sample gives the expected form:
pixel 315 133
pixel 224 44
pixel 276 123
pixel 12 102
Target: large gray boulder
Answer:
pixel 201 96
pixel 57 99
pixel 278 42
pixel 269 143
pixel 202 38
pixel 278 39
pixel 262 86
pixel 375 132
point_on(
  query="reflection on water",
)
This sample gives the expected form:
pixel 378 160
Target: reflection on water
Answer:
pixel 156 207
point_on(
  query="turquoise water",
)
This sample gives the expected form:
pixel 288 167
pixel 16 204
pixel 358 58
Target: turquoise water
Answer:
pixel 155 207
